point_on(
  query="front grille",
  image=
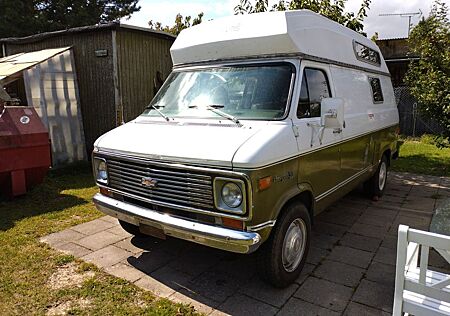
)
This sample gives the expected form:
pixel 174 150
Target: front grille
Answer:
pixel 174 186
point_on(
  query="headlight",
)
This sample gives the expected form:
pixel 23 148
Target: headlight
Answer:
pixel 100 171
pixel 231 194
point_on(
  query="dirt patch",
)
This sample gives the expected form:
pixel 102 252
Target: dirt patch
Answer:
pixel 63 308
pixel 67 276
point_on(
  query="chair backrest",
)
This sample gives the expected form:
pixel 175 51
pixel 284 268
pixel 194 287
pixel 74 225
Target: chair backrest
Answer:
pixel 412 273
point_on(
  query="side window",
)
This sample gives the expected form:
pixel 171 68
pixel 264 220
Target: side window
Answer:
pixel 377 94
pixel 366 54
pixel 314 88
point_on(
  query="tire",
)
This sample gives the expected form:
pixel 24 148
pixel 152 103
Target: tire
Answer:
pixel 276 265
pixel 130 228
pixel 376 185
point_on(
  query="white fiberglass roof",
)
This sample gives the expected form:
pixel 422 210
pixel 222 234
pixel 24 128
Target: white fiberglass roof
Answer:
pixel 271 33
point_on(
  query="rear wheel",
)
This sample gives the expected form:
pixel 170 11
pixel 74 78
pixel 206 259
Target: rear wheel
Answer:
pixel 130 228
pixel 376 185
pixel 283 255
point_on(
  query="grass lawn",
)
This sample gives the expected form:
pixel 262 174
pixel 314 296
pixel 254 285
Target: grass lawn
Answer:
pixel 417 156
pixel 35 280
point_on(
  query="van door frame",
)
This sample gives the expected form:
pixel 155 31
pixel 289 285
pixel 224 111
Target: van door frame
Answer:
pixel 319 162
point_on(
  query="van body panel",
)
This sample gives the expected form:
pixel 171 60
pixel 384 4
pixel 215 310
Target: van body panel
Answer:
pixel 270 33
pixel 272 160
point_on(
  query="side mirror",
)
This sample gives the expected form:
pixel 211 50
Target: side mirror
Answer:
pixel 332 113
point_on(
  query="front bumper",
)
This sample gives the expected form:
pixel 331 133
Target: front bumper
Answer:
pixel 208 235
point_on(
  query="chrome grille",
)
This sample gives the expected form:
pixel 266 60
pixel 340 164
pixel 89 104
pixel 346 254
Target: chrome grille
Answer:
pixel 175 186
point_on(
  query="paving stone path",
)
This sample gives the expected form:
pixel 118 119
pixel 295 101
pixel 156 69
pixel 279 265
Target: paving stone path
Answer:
pixel 350 269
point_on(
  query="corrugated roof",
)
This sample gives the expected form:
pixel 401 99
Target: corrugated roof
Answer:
pixel 393 38
pixel 83 29
pixel 14 64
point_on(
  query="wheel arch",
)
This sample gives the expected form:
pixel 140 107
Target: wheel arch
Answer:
pixel 387 152
pixel 305 196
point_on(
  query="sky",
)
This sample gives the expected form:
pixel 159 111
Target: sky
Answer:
pixel 386 26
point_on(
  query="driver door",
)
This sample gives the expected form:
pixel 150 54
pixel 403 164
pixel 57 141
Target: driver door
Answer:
pixel 319 149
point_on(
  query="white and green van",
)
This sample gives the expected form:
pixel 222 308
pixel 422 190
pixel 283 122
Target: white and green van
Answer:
pixel 265 120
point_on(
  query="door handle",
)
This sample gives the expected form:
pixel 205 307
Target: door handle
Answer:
pixel 337 130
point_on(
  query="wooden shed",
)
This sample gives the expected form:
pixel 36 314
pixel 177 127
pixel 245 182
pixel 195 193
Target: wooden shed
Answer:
pixel 117 66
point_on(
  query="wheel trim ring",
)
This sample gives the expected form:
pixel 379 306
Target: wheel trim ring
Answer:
pixel 382 175
pixel 294 244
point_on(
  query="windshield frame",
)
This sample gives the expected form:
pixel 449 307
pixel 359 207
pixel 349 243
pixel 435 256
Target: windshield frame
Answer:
pixel 253 63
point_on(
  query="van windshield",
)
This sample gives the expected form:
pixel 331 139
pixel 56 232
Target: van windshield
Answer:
pixel 256 92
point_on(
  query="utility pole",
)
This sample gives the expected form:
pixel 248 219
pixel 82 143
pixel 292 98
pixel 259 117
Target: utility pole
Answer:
pixel 405 15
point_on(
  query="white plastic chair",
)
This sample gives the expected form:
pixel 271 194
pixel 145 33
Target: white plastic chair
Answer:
pixel 419 290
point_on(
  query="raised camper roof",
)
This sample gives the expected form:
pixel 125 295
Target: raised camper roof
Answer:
pixel 300 32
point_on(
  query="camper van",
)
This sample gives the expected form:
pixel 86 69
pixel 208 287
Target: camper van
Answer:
pixel 265 120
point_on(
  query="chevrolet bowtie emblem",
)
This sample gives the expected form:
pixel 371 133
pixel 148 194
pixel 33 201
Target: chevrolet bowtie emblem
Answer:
pixel 148 182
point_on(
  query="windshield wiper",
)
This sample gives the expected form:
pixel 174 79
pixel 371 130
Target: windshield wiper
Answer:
pixel 215 108
pixel 156 108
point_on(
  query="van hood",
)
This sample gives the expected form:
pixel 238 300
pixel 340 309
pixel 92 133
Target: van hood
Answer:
pixel 207 142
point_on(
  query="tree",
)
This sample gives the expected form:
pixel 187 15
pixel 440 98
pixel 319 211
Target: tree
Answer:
pixel 26 17
pixel 429 77
pixel 180 24
pixel 334 10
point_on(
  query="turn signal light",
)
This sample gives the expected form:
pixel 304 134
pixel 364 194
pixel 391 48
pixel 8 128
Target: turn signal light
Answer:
pixel 232 223
pixel 265 183
pixel 105 191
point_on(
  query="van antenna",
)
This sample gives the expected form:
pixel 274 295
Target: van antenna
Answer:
pixel 405 15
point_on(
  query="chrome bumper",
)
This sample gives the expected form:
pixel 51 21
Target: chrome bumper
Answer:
pixel 208 235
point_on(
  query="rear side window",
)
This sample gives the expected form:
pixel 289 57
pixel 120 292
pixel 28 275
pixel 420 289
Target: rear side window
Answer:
pixel 366 54
pixel 377 94
pixel 315 87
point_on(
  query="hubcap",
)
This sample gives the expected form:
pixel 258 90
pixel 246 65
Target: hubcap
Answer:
pixel 294 245
pixel 382 176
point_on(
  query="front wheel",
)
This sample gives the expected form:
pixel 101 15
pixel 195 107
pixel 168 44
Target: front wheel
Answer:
pixel 283 255
pixel 376 185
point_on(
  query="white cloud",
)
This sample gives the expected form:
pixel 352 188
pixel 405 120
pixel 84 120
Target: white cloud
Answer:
pixel 386 26
pixel 165 11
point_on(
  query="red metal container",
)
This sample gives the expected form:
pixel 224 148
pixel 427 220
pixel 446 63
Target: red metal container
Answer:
pixel 25 155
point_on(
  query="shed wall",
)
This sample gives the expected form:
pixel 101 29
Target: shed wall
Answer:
pixel 140 55
pixel 94 74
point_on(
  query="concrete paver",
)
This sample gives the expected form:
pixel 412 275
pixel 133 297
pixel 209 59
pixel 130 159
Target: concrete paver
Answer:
pixel 340 273
pixel 63 237
pixel 74 249
pixel 316 255
pixel 99 240
pixel 93 227
pixel 386 255
pixel 241 305
pixel 295 307
pixel 375 295
pixel 125 271
pixel 360 242
pixel 325 293
pixel 381 273
pixel 368 230
pixel 350 268
pixel 200 303
pixel 260 290
pixel 351 256
pixel 156 287
pixel 355 309
pixel 106 257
